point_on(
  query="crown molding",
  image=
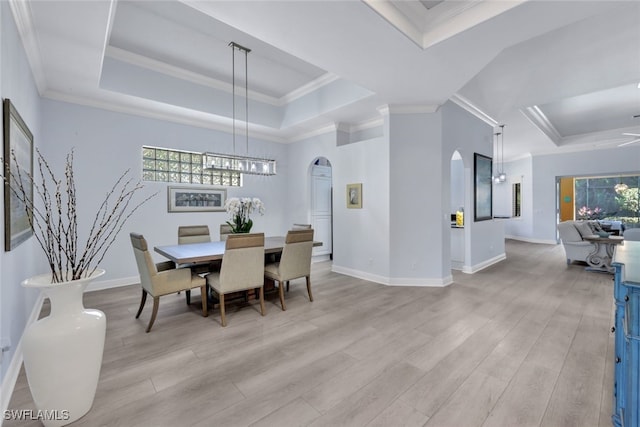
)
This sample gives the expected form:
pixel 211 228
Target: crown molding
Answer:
pixel 181 73
pixel 367 124
pixel 306 89
pixel 22 16
pixel 316 132
pixel 395 17
pixel 467 105
pixel 542 122
pixel 387 109
pixel 155 110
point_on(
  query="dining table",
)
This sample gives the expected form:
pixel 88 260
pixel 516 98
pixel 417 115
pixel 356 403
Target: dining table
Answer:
pixel 211 251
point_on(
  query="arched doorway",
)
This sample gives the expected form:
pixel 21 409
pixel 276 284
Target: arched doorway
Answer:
pixel 458 196
pixel 321 208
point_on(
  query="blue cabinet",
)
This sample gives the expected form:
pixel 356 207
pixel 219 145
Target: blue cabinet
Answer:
pixel 626 388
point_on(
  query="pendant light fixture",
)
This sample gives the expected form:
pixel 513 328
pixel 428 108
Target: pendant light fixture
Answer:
pixel 496 164
pixel 502 176
pixel 620 186
pixel 233 162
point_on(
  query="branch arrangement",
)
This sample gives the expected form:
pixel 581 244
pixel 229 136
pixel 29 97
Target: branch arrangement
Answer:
pixel 53 215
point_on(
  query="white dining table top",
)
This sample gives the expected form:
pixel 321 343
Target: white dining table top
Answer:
pixel 210 251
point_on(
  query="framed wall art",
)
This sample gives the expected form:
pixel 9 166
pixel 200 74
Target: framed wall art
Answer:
pixel 483 187
pixel 18 158
pixel 196 199
pixel 354 196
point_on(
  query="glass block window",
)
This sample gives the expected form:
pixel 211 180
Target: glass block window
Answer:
pixel 183 167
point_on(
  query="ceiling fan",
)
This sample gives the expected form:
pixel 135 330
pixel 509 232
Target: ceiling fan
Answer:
pixel 635 135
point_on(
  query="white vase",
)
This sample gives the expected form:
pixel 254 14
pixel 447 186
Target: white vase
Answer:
pixel 63 351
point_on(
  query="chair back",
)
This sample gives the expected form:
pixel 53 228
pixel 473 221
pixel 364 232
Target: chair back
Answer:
pixel 301 227
pixel 568 232
pixel 193 234
pixel 225 230
pixel 296 254
pixel 632 234
pixel 146 266
pixel 243 262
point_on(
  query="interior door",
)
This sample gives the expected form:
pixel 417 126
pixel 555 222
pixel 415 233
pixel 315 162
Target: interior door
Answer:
pixel 321 209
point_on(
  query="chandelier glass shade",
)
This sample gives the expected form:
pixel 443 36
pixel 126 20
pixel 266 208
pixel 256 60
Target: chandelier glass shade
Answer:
pixel 233 162
pixel 243 164
pixel 620 187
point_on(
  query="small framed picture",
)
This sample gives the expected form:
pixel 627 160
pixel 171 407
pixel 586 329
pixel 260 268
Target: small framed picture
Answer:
pixel 196 199
pixel 354 196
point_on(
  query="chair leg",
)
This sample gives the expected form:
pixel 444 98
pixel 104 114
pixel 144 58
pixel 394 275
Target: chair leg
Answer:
pixel 156 303
pixel 262 300
pixel 281 292
pixel 222 316
pixel 309 288
pixel 188 296
pixel 203 296
pixel 287 286
pixel 142 301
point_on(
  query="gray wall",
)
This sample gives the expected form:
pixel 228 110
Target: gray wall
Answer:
pixel 106 144
pixel 17 84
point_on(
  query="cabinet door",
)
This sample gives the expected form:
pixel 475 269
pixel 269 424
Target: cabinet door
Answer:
pixel 322 232
pixel 321 213
pixel 321 196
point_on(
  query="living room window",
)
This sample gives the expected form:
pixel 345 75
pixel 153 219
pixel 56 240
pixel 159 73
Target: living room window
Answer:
pixel 611 198
pixel 184 167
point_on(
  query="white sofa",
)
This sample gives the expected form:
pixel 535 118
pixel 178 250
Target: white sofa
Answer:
pixel 571 233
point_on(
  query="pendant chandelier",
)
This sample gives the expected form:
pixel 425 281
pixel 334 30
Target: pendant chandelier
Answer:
pixel 233 162
pixel 620 186
pixel 500 176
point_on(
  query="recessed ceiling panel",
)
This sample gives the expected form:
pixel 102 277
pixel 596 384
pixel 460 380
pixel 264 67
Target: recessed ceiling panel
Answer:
pixel 176 34
pixel 595 112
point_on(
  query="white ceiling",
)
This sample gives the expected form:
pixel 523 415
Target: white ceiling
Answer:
pixel 562 75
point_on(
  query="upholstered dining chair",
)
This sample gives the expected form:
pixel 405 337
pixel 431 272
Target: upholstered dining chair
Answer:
pixel 194 234
pixel 242 268
pixel 225 230
pixel 294 263
pixel 301 227
pixel 162 278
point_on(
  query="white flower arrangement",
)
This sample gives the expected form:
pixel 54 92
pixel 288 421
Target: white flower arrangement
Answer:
pixel 240 210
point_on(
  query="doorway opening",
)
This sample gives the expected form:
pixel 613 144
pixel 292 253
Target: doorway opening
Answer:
pixel 321 208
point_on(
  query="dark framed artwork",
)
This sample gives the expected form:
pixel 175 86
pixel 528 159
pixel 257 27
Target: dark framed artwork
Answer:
pixel 196 199
pixel 18 164
pixel 483 187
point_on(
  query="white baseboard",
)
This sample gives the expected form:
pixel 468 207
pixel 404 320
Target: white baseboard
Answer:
pixel 320 258
pixel 393 281
pixel 484 264
pixel 531 240
pixel 11 376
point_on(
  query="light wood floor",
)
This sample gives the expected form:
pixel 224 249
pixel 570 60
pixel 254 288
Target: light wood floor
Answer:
pixel 526 342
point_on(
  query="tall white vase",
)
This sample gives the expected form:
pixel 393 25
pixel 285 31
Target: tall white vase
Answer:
pixel 63 351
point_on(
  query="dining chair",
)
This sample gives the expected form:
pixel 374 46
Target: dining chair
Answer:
pixel 194 234
pixel 162 278
pixel 225 230
pixel 301 227
pixel 242 269
pixel 632 234
pixel 294 263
